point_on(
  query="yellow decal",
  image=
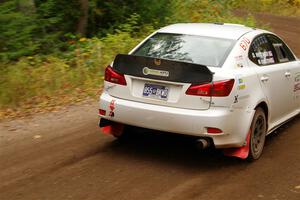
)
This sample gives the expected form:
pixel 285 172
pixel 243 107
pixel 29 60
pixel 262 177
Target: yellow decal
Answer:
pixel 241 87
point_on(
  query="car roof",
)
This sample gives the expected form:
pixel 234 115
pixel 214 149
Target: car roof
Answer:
pixel 217 30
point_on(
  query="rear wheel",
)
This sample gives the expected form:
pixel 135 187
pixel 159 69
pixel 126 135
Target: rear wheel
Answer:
pixel 258 134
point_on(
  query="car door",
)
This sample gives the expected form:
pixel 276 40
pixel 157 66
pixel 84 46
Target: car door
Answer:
pixel 287 60
pixel 272 77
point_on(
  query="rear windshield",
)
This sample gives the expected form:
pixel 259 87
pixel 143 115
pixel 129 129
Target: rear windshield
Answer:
pixel 188 48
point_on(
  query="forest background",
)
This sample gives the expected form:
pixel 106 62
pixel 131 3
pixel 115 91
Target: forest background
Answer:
pixel 53 52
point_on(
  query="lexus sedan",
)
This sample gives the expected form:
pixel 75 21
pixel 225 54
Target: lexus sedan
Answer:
pixel 226 84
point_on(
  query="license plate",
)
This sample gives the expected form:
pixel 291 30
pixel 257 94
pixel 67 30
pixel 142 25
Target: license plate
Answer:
pixel 156 91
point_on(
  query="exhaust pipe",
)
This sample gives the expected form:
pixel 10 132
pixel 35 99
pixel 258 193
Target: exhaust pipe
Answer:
pixel 203 143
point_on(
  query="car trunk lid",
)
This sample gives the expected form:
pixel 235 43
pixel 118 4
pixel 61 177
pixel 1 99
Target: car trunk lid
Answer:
pixel 161 81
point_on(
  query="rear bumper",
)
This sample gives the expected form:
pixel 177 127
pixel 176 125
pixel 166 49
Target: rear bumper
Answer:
pixel 234 123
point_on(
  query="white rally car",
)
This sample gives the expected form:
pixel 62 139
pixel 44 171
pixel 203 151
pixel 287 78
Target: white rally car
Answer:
pixel 227 84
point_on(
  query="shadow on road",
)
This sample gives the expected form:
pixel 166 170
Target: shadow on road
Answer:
pixel 282 131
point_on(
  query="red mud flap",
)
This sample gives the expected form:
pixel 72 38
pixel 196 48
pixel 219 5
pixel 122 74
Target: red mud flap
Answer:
pixel 241 152
pixel 111 128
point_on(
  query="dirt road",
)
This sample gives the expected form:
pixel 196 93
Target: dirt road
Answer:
pixel 63 156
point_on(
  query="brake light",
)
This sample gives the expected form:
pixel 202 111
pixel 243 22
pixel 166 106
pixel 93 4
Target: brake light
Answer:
pixel 114 77
pixel 216 89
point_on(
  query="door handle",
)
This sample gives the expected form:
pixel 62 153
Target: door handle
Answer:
pixel 264 78
pixel 287 74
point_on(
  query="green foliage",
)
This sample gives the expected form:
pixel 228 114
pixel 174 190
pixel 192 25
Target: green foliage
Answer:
pixel 16 32
pixel 29 27
pixel 55 18
pixel 44 77
pixel 41 77
pixel 110 14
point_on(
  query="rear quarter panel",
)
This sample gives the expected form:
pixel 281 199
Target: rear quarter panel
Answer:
pixel 247 92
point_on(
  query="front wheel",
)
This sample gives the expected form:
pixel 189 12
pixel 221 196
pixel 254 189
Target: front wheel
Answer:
pixel 258 134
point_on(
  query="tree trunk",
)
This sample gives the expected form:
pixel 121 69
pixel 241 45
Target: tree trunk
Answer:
pixel 83 20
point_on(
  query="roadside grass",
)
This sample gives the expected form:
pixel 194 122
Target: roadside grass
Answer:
pixel 37 83
pixel 47 82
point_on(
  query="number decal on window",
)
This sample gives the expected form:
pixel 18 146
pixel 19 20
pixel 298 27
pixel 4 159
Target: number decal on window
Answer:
pixel 245 43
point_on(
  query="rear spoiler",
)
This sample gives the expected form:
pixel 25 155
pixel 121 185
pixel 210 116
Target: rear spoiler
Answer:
pixel 162 69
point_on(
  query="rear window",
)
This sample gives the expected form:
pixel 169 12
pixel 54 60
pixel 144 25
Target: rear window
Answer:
pixel 188 48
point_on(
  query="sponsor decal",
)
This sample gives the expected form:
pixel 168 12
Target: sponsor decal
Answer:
pixel 112 108
pixel 265 58
pixel 239 61
pixel 107 88
pixel 297 83
pixel 297 87
pixel 155 72
pixel 157 62
pixel 236 99
pixel 241 85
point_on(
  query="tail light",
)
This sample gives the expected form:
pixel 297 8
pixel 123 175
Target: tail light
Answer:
pixel 114 77
pixel 215 89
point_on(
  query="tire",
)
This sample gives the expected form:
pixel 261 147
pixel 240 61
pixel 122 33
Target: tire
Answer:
pixel 258 134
